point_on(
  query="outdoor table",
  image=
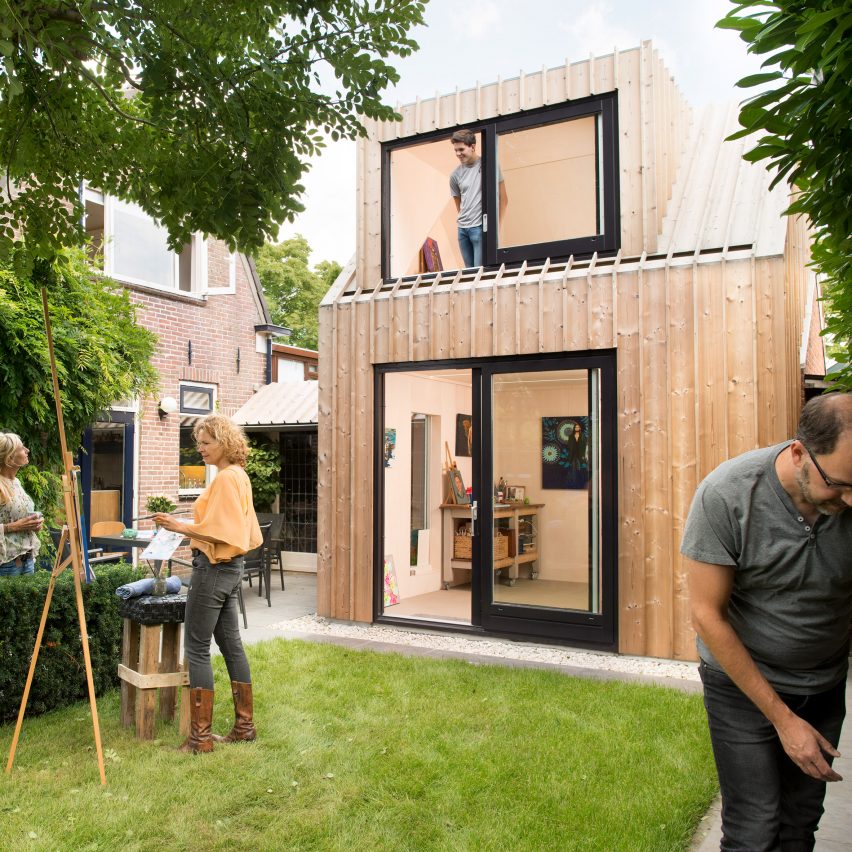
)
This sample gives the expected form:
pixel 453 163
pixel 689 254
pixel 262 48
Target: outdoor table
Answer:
pixel 150 653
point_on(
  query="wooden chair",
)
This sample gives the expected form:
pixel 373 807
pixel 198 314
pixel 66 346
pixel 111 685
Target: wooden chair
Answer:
pixel 257 563
pixel 275 560
pixel 109 528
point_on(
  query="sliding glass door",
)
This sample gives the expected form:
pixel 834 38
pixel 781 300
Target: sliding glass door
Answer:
pixel 547 525
pixel 497 496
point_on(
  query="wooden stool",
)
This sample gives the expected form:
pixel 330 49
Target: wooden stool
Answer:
pixel 150 653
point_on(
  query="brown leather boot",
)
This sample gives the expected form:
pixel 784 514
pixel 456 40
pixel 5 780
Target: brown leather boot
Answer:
pixel 200 739
pixel 243 730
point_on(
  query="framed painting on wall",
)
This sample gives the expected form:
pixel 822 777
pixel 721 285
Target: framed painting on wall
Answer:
pixel 390 446
pixel 464 436
pixel 565 452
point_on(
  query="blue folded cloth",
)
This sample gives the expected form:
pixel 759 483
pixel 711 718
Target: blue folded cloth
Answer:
pixel 146 586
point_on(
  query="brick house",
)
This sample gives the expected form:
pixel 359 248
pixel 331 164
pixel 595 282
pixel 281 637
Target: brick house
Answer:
pixel 206 306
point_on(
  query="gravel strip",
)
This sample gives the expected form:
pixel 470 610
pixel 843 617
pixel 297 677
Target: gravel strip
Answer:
pixel 499 648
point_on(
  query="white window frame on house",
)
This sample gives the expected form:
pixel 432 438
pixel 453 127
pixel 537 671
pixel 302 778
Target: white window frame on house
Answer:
pixel 189 415
pixel 196 248
pixel 231 287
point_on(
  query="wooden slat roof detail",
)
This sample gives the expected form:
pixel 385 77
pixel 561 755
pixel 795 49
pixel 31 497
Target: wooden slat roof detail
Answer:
pixel 719 200
pixel 345 287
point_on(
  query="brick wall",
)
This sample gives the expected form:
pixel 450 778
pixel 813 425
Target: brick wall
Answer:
pixel 216 327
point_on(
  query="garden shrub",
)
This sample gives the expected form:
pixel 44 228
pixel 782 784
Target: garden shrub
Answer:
pixel 60 675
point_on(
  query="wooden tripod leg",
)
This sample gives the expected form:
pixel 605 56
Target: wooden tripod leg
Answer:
pixel 84 636
pixel 56 570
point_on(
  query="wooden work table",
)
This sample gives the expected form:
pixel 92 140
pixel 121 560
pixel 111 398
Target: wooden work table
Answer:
pixel 518 520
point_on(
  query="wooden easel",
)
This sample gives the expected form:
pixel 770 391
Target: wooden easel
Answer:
pixel 451 466
pixel 70 535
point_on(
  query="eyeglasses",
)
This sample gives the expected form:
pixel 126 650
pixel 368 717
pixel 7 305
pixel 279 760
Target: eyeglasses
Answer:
pixel 831 483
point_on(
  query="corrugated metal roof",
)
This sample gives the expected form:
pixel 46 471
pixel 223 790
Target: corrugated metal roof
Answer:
pixel 281 404
pixel 719 200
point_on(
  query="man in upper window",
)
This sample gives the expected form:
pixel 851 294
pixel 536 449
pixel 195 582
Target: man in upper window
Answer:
pixel 769 547
pixel 466 189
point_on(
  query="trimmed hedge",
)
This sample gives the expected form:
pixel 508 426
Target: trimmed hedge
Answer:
pixel 60 675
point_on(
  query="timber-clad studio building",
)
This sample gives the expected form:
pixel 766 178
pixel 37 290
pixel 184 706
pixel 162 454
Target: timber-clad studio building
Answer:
pixel 512 449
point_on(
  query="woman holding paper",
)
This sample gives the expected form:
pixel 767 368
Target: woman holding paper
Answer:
pixel 223 530
pixel 19 524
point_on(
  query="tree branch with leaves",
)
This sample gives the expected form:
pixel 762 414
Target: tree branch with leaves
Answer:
pixel 806 133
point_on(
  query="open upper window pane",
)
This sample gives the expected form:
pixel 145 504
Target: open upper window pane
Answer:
pixel 421 208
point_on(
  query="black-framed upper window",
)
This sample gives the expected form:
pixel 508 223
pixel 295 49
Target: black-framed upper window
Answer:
pixel 196 399
pixel 559 172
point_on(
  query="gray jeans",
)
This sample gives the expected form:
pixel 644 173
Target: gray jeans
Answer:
pixel 212 611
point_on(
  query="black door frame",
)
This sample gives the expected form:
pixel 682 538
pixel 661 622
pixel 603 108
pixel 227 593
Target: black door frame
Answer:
pixel 128 420
pixel 594 630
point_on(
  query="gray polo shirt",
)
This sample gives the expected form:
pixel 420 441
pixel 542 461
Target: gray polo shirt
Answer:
pixel 792 597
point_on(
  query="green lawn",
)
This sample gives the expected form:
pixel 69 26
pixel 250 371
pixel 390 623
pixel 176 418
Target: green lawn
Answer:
pixel 366 751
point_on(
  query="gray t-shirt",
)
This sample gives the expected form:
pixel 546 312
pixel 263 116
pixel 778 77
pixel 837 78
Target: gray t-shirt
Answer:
pixel 792 597
pixel 466 182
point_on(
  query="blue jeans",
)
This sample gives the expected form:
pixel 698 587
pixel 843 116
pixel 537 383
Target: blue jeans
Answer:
pixel 10 569
pixel 768 803
pixel 470 243
pixel 212 612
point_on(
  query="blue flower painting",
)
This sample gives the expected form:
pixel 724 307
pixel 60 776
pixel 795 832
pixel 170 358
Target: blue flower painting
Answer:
pixel 565 452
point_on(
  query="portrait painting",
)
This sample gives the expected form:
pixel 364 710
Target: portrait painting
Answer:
pixel 565 452
pixel 464 435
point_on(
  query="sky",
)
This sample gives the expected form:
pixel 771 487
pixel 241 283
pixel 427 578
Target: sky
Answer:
pixel 474 41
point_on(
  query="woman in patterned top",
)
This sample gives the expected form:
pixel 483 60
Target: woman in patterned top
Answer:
pixel 19 524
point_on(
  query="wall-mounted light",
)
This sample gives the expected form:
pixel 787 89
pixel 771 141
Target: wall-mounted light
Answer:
pixel 167 405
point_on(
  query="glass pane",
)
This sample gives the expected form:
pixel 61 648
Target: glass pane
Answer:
pixel 419 482
pixel 192 472
pixel 107 472
pixel 550 178
pixel 140 247
pixel 421 209
pixel 546 494
pixel 424 573
pixel 298 498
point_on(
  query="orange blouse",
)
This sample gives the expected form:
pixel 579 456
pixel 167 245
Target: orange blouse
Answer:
pixel 224 511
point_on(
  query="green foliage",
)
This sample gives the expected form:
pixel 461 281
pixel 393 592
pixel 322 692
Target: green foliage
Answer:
pixel 263 468
pixel 807 134
pixel 294 291
pixel 60 677
pixel 160 504
pixel 365 751
pixel 205 119
pixel 101 356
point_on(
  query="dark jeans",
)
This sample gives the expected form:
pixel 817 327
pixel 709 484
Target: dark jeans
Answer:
pixel 768 803
pixel 212 611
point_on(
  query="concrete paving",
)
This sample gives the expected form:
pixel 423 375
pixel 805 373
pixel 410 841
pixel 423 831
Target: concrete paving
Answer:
pixel 299 599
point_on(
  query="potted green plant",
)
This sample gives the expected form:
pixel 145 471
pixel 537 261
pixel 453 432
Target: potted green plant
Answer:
pixel 159 504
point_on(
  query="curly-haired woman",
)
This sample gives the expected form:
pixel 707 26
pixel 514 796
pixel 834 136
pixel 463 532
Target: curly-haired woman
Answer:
pixel 18 522
pixel 223 530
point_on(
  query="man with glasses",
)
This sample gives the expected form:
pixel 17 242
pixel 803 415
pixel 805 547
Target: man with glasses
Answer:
pixel 768 543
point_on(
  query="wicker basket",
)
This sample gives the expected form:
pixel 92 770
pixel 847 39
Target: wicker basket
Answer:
pixel 501 546
pixel 463 546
